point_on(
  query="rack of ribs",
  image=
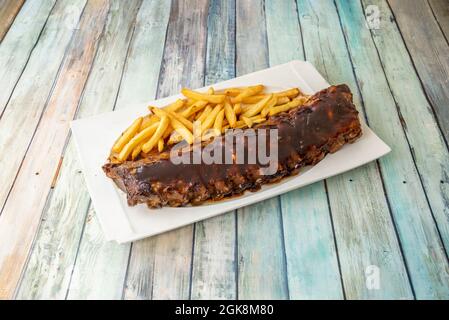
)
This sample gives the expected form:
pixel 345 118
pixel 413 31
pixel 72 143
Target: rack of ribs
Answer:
pixel 305 135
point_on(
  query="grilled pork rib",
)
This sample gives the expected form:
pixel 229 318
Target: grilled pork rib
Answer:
pixel 306 134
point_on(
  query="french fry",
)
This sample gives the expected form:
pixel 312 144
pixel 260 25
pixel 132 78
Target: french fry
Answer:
pixel 178 104
pixel 210 119
pixel 181 130
pixel 205 113
pixel 184 121
pixel 250 91
pixel 270 104
pixel 238 108
pixel 284 107
pixel 258 107
pixel 127 135
pixel 247 121
pixel 210 90
pixel 160 145
pixel 232 92
pixel 254 99
pixel 194 108
pixel 136 151
pixel 136 140
pixel 219 122
pixel 288 93
pixel 163 124
pixel 282 100
pixel 230 114
pixel 201 96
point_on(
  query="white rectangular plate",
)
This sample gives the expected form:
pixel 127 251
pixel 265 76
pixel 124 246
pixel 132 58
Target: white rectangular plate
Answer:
pixel 94 137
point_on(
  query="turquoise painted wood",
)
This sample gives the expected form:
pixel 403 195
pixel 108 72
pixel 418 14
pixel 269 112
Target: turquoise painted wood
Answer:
pixel 322 241
pixel 425 139
pixel 429 51
pixel 171 252
pixel 56 245
pixel 16 48
pixel 214 263
pixel 108 259
pixel 260 237
pixel 409 205
pixel 363 229
pixel 311 255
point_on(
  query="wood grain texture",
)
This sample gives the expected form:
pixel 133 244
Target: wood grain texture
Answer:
pixel 16 48
pixel 410 209
pixel 214 263
pixel 171 272
pixel 260 242
pixel 8 11
pixel 51 263
pixel 429 52
pixel 440 9
pixel 364 231
pixel 32 92
pixel 21 215
pixel 144 57
pixel 425 139
pixel 311 257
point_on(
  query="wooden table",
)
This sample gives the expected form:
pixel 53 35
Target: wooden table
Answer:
pixel 380 231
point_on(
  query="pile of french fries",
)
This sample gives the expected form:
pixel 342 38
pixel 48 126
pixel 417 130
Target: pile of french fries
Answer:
pixel 201 116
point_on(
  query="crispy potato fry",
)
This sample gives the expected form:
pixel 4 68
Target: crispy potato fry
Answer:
pixel 210 119
pixel 282 100
pixel 194 108
pixel 201 96
pixel 136 140
pixel 288 93
pixel 258 107
pixel 219 122
pixel 247 121
pixel 178 104
pixel 238 108
pixel 230 113
pixel 254 99
pixel 163 124
pixel 182 130
pixel 136 151
pixel 250 91
pixel 285 107
pixel 160 145
pixel 270 104
pixel 210 90
pixel 205 113
pixel 127 135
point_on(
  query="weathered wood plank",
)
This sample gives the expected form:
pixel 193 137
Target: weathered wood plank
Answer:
pixel 8 11
pixel 428 145
pixel 363 228
pixel 92 278
pixel 422 247
pixel 16 48
pixel 32 91
pixel 183 65
pixel 440 9
pixel 50 266
pixel 429 52
pixel 21 215
pixel 312 265
pixel 213 267
pixel 138 84
pixel 260 239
